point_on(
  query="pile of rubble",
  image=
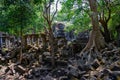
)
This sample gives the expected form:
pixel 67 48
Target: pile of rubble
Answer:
pixel 100 66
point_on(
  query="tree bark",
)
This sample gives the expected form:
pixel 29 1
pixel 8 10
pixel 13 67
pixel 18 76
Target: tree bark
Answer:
pixel 104 21
pixel 96 40
pixel 106 32
pixel 49 19
pixel 21 46
pixel 51 41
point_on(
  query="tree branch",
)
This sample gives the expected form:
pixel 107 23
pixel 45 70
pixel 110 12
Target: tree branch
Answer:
pixel 109 14
pixel 109 10
pixel 103 16
pixel 49 6
pixel 46 18
pixel 55 11
pixel 46 12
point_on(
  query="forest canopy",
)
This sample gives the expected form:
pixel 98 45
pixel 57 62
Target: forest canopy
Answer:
pixel 74 13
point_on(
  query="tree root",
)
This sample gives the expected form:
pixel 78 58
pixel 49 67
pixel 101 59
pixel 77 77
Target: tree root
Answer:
pixel 95 44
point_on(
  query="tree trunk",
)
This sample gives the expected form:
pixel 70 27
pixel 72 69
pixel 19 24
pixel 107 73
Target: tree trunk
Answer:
pixel 49 19
pixel 52 46
pixel 21 34
pixel 96 40
pixel 106 32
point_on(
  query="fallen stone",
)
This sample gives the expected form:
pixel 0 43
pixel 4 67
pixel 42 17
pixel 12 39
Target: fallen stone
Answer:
pixel 73 71
pixel 61 63
pixel 29 76
pixel 82 78
pixel 21 70
pixel 95 64
pixel 115 68
pixel 63 78
pixel 58 73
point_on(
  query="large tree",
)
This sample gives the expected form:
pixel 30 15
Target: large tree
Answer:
pixel 49 17
pixel 19 16
pixel 104 17
pixel 96 40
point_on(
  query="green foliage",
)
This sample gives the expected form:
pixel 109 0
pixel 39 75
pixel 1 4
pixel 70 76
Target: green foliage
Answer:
pixel 19 14
pixel 115 18
pixel 74 12
pixel 28 14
